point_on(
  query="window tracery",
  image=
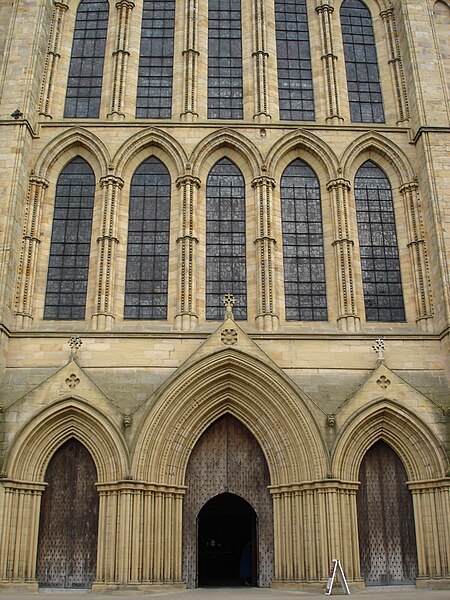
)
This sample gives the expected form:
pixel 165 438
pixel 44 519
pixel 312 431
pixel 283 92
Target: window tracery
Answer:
pixel 380 263
pixel 146 280
pixel 84 84
pixel 361 63
pixel 303 253
pixel 68 267
pixel 225 240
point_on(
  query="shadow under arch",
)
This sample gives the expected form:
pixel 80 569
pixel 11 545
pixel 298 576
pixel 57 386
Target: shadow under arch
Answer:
pixel 39 439
pixel 229 381
pixel 385 420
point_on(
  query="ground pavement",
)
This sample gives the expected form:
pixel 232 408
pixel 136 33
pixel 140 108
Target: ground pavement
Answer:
pixel 235 593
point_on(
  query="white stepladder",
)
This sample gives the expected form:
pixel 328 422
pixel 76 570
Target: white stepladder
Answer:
pixel 336 567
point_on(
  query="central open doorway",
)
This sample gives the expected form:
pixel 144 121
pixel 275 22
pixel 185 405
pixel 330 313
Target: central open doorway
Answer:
pixel 227 497
pixel 227 542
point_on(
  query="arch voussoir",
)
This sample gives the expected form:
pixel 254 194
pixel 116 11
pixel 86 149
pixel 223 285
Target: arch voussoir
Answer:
pixel 230 382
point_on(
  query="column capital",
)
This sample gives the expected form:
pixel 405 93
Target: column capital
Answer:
pixel 263 180
pixel 111 180
pixel 339 182
pixel 125 4
pixel 188 179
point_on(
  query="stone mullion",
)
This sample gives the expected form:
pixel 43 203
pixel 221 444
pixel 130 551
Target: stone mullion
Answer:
pixel 265 242
pixel 107 245
pixel 396 64
pixel 329 60
pixel 260 59
pixel 52 58
pixel 344 255
pixel 418 254
pixel 120 58
pixel 190 57
pixel 29 252
pixel 186 318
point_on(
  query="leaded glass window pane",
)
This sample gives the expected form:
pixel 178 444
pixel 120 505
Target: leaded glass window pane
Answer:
pixel 380 264
pixel 146 278
pixel 154 90
pixel 68 265
pixel 361 64
pixel 304 264
pixel 225 91
pixel 84 85
pixel 225 240
pixel 295 86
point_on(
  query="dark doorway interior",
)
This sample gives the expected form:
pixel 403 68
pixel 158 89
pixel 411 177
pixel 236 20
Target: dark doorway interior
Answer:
pixel 227 542
pixel 67 547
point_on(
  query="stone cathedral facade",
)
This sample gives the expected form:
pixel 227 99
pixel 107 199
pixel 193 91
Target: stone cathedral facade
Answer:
pixel 224 293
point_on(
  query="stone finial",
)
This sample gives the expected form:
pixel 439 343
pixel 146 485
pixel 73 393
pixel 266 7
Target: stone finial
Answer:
pixel 228 301
pixel 74 343
pixel 379 348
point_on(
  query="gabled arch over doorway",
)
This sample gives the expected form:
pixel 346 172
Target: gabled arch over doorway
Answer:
pixel 227 474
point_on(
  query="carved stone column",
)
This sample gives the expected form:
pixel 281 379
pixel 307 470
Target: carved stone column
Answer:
pixel 29 252
pixel 395 61
pixel 139 534
pixel 120 59
pixel 107 244
pixel 266 318
pixel 329 59
pixel 343 244
pixel 20 526
pixel 260 58
pixel 431 501
pixel 419 256
pixel 186 318
pixel 190 57
pixel 52 58
pixel 313 523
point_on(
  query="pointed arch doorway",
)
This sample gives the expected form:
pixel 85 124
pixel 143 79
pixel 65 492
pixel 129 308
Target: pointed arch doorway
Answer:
pixel 68 527
pixel 227 478
pixel 387 538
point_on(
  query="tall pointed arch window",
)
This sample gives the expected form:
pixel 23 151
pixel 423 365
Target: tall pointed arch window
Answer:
pixel 295 86
pixel 304 264
pixel 146 279
pixel 361 64
pixel 225 240
pixel 84 85
pixel 380 263
pixel 155 75
pixel 68 267
pixel 225 89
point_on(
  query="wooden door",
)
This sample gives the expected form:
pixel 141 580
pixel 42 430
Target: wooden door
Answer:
pixel 67 546
pixel 385 520
pixel 228 459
